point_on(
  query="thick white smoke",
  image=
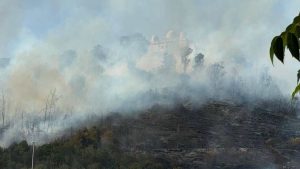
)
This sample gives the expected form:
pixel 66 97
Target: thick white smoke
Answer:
pixel 44 95
pixel 71 59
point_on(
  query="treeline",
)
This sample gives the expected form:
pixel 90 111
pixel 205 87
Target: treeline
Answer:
pixel 89 148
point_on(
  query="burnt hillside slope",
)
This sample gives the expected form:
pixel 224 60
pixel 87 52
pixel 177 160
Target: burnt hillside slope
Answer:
pixel 216 135
pixel 213 135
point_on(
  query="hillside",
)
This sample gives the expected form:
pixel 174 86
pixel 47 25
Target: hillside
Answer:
pixel 213 135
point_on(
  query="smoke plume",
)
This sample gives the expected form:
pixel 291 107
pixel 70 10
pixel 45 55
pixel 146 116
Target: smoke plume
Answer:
pixel 72 59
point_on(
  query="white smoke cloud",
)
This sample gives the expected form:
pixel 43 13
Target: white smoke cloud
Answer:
pixel 73 47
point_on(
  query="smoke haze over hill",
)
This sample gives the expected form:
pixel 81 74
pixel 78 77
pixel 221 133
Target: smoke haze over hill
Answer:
pixel 72 59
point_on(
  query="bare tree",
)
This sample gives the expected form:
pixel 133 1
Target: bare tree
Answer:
pixel 32 157
pixel 3 108
pixel 46 110
pixel 184 58
pixel 22 120
pixel 50 108
pixel 216 72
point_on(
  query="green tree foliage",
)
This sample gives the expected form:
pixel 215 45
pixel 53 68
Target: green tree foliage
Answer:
pixel 288 39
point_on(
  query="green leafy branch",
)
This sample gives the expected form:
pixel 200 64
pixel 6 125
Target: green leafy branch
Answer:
pixel 288 39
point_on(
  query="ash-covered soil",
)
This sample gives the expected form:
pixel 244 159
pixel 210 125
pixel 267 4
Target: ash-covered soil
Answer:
pixel 213 135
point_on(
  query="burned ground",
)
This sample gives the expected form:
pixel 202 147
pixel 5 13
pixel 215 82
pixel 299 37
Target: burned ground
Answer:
pixel 213 135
